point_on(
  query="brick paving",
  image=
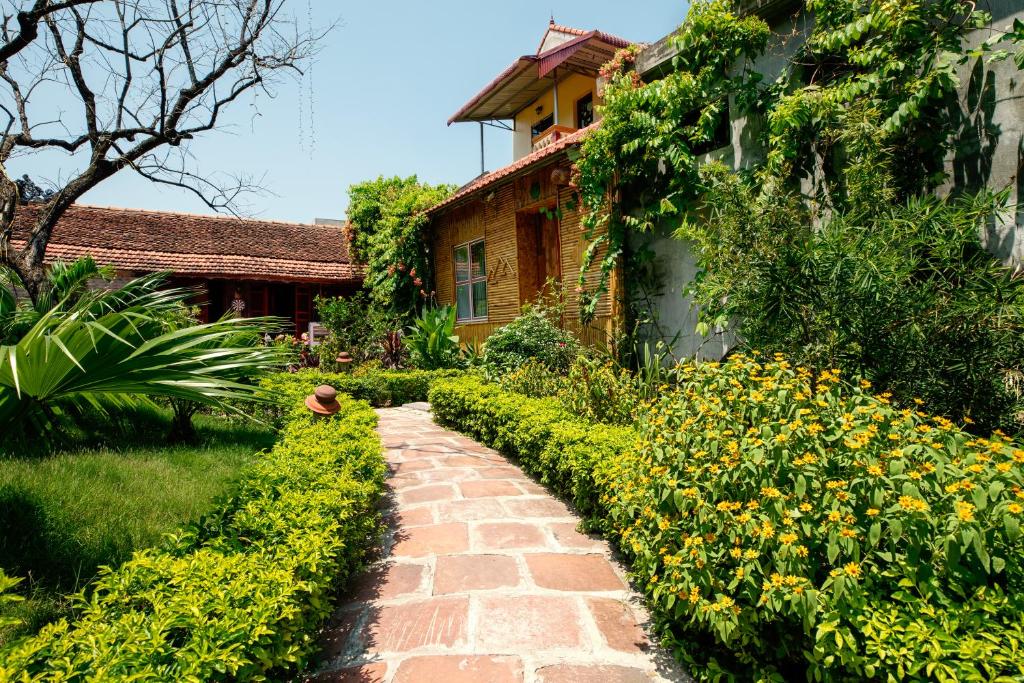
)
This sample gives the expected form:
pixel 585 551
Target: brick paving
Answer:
pixel 484 577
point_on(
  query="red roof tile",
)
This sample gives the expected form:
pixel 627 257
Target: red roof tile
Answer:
pixel 191 244
pixel 606 37
pixel 521 166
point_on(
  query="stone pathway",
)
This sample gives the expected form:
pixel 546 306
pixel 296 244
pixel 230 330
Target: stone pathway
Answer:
pixel 484 578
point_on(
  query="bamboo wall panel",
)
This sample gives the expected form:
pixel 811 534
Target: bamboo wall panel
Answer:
pixel 495 221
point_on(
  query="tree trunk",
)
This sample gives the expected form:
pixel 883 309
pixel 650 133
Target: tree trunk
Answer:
pixel 182 429
pixel 31 272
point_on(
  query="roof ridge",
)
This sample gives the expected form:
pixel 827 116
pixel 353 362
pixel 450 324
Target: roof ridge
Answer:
pixel 207 216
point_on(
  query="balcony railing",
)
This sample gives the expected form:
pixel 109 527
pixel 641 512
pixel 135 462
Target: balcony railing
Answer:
pixel 551 135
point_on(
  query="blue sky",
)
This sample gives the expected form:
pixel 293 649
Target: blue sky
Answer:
pixel 380 94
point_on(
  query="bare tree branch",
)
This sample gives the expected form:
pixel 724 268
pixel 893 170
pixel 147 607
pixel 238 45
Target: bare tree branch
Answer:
pixel 147 76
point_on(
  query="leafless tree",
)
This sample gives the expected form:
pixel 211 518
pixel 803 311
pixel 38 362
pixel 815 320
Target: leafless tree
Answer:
pixel 136 82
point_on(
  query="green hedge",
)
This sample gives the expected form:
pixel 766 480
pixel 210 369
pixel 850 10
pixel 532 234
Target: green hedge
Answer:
pixel 790 526
pixel 240 595
pixel 381 388
pixel 560 450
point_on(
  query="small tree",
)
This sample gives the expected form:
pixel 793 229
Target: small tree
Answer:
pixel 143 79
pixel 389 222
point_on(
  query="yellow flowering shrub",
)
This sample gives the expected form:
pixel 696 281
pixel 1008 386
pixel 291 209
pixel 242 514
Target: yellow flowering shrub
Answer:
pixel 790 525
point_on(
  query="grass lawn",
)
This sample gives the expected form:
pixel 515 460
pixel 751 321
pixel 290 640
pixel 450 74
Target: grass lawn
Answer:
pixel 97 498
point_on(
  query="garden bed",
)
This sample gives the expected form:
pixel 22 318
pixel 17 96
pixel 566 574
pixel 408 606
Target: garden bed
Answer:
pixel 790 526
pixel 240 595
pixel 64 514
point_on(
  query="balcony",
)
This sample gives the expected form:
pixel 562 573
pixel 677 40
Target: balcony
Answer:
pixel 551 135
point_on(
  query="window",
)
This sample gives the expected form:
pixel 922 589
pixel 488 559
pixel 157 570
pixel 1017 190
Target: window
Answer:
pixel 470 282
pixel 585 111
pixel 542 125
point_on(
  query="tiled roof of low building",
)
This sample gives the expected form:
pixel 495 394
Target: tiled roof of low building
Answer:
pixel 520 166
pixel 197 245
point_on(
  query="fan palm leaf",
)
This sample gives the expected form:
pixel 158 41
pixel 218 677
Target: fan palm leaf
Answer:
pixel 115 349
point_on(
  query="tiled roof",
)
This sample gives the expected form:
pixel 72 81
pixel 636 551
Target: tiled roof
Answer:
pixel 521 166
pixel 606 37
pixel 191 244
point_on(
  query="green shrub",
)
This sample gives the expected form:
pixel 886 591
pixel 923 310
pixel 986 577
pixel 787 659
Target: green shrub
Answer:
pixel 355 326
pixel 379 388
pixel 531 336
pixel 241 595
pixel 904 295
pixel 560 449
pixel 7 597
pixel 786 525
pixel 594 389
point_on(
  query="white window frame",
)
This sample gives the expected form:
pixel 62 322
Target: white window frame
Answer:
pixel 474 318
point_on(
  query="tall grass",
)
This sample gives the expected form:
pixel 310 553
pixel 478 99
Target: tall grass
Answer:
pixel 94 501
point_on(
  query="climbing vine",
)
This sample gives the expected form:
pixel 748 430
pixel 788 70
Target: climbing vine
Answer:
pixel 388 221
pixel 648 144
pixel 858 114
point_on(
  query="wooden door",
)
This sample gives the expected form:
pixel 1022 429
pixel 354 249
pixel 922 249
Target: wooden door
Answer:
pixel 259 300
pixel 303 309
pixel 529 255
pixel 552 249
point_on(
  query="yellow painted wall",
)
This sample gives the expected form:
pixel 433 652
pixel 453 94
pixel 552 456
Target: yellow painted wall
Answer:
pixel 570 89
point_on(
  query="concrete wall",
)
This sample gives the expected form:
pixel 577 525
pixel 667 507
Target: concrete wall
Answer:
pixel 674 315
pixel 990 154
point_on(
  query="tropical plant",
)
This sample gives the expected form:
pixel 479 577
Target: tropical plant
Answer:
pixel 392 354
pixel 112 349
pixel 432 342
pixel 66 283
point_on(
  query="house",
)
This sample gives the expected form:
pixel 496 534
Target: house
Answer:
pixel 252 267
pixel 498 240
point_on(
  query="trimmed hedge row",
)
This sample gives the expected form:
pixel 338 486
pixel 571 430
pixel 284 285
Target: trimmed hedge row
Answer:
pixel 560 450
pixel 240 595
pixel 381 388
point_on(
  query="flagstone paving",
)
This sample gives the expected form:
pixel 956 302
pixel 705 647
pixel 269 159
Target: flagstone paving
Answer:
pixel 484 578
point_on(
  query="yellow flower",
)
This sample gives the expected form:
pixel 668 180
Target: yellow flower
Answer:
pixel 1015 508
pixel 875 470
pixel 873 512
pixel 834 516
pixel 965 511
pixel 805 507
pixel 787 539
pixel 852 569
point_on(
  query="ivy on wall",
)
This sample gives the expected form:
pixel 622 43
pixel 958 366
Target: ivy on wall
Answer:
pixel 859 112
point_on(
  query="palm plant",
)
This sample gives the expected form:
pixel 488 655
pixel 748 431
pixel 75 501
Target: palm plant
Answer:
pixel 67 282
pixel 95 350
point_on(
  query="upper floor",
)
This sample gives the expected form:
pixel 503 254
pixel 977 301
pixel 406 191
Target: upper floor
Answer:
pixel 546 95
